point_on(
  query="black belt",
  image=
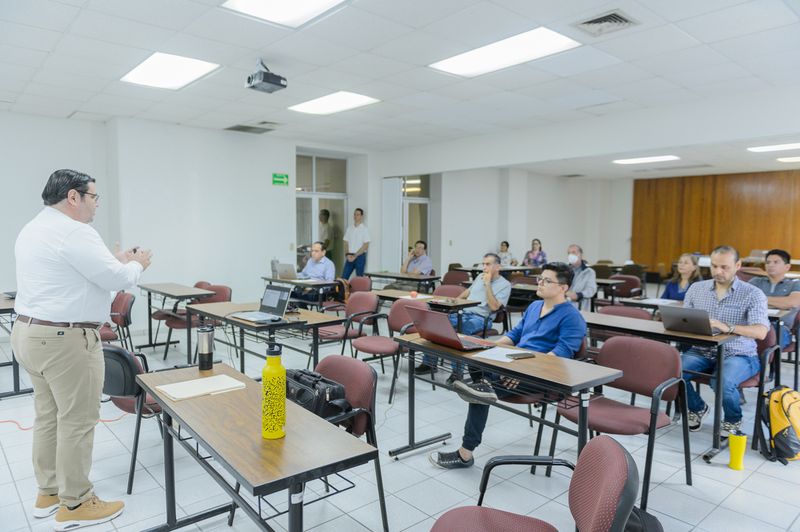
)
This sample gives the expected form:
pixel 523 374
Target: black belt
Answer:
pixel 61 324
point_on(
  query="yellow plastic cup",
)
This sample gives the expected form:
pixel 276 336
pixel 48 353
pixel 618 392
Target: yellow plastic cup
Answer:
pixel 737 443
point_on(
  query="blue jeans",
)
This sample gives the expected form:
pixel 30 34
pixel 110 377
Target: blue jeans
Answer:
pixel 357 265
pixel 470 324
pixel 735 369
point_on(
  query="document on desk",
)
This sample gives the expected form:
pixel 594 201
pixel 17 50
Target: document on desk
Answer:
pixel 179 391
pixel 498 354
pixel 659 301
pixel 773 311
pixel 419 296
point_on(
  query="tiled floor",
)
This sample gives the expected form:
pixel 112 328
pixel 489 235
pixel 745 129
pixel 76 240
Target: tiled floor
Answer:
pixel 765 496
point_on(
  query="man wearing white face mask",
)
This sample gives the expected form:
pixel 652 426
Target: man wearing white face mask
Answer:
pixel 584 284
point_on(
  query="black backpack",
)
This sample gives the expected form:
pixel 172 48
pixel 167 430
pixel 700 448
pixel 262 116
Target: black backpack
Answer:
pixel 316 393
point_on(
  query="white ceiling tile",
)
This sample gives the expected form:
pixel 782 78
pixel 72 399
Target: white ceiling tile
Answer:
pixel 775 68
pixel 56 90
pixel 611 76
pixel 678 61
pixel 739 20
pixel 414 13
pixel 731 86
pixel 480 24
pixel 466 90
pixel 645 86
pixel 610 108
pixel 586 98
pixel 419 48
pixel 426 100
pixel 213 51
pixel 333 79
pixel 576 61
pixel 307 48
pixel 91 117
pixel 138 92
pixel 174 14
pixel 776 40
pixel 553 89
pixel 372 66
pixel 7 96
pixel 38 13
pixel 710 74
pixel 57 63
pixel 14 86
pixel 648 42
pixel 69 79
pixel 50 109
pixel 422 78
pixel 48 102
pixel 114 105
pixel 516 77
pixel 227 26
pixel 92 50
pixel 667 97
pixel 103 27
pixel 13 72
pixel 675 10
pixel 357 29
pixel 171 111
pixel 505 100
pixel 21 56
pixel 546 11
pixel 27 36
pixel 384 90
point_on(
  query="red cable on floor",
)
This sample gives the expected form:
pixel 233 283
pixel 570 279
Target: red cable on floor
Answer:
pixel 20 427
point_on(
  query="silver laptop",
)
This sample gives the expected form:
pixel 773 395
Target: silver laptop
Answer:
pixel 273 306
pixel 286 271
pixel 689 320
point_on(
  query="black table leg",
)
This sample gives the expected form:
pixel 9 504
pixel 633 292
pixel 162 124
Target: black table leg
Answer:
pixel 315 345
pixel 169 470
pixel 188 337
pixel 241 350
pixel 583 419
pixel 296 507
pixel 716 444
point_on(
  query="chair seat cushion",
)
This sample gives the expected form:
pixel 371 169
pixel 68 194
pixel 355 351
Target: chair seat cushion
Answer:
pixel 175 323
pixel 128 404
pixel 613 417
pixel 481 519
pixel 376 345
pixel 337 332
pixel 163 314
pixel 107 334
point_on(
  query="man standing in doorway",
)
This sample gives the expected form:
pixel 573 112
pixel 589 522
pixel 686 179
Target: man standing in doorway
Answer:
pixel 65 279
pixel 356 243
pixel 324 228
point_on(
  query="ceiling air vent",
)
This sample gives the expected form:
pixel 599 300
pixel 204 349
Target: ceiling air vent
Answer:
pixel 607 23
pixel 252 129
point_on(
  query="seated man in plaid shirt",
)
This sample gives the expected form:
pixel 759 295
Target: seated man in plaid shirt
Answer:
pixel 735 307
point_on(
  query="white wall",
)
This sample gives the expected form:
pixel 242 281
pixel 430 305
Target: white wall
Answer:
pixel 204 201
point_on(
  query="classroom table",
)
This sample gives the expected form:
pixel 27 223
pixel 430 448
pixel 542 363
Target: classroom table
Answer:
pixel 420 279
pixel 227 426
pixel 6 323
pixel 655 330
pixel 440 304
pixel 175 291
pixel 505 271
pixel 321 287
pixel 550 373
pixel 300 319
pixel 611 285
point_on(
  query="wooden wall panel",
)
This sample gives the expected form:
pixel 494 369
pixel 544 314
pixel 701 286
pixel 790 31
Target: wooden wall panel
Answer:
pixel 688 214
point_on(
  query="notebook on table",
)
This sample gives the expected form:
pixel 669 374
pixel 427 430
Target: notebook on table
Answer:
pixel 436 327
pixel 179 391
pixel 273 306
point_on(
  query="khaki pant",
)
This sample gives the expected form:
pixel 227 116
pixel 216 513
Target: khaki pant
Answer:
pixel 67 370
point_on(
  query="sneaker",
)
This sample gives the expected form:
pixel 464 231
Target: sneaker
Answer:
pixel 451 380
pixel 91 512
pixel 696 418
pixel 477 392
pixel 45 506
pixel 450 460
pixel 728 427
pixel 424 369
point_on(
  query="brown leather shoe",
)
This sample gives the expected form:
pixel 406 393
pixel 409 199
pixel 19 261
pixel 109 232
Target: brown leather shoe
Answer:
pixel 45 506
pixel 91 512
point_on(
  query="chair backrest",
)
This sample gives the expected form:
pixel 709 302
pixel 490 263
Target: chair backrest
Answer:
pixel 221 293
pixel 769 341
pixel 628 312
pixel 644 364
pixel 522 279
pixel 602 271
pixel 398 317
pixel 360 284
pixel 203 285
pixel 360 381
pixel 605 261
pixel 631 282
pixel 744 276
pixel 361 302
pixel 120 372
pixel 121 308
pixel 455 277
pixel 604 486
pixel 448 290
pixel 453 265
pixel 633 269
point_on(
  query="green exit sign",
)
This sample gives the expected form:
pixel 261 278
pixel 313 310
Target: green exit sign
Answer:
pixel 280 179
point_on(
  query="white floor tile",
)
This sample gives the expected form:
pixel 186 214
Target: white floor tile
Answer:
pixel 730 521
pixel 401 515
pixel 431 496
pixel 767 509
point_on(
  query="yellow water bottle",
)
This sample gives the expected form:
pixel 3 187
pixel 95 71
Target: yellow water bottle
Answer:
pixel 273 397
pixel 737 441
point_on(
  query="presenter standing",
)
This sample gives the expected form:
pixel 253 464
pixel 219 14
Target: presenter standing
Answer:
pixel 356 244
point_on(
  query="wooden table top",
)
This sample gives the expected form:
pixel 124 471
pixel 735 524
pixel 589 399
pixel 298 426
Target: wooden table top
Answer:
pixel 222 311
pixel 524 287
pixel 175 290
pixel 453 303
pixel 650 328
pixel 609 282
pixel 554 372
pixel 300 282
pixel 228 425
pixel 403 276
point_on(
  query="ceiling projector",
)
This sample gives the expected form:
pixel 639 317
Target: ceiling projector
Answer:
pixel 265 81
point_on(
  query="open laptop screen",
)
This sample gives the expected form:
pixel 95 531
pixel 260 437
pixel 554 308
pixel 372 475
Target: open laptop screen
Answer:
pixel 275 299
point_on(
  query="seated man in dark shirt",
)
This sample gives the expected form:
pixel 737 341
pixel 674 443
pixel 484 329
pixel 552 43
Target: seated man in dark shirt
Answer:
pixel 550 325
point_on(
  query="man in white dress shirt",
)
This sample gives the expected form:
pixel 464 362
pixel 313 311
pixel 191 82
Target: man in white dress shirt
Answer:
pixel 356 243
pixel 66 277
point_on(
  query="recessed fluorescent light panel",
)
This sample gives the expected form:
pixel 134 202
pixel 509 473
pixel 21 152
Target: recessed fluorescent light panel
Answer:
pixel 333 103
pixel 167 71
pixel 643 160
pixel 789 159
pixel 291 13
pixel 521 48
pixel 775 147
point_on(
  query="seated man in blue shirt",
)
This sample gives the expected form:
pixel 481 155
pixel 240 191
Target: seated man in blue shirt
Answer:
pixel 551 325
pixel 319 268
pixel 418 262
pixel 734 307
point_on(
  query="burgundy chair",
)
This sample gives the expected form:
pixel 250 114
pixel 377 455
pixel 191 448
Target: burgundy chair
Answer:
pixel 121 318
pixel 602 271
pixel 162 315
pixel 398 321
pixel 360 284
pixel 358 309
pixel 631 287
pixel 448 290
pixel 121 369
pixel 793 349
pixel 501 316
pixel 648 368
pixel 602 493
pixel 617 310
pixel 520 300
pixel 456 277
pixel 335 303
pixel 178 320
